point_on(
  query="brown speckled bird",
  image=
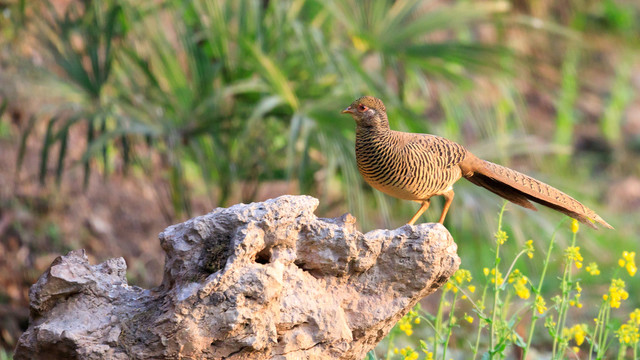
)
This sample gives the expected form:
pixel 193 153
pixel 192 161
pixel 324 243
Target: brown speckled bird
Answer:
pixel 419 166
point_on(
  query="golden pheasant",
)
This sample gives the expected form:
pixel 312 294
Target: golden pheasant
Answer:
pixel 419 166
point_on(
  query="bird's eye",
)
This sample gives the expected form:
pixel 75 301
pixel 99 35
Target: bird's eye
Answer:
pixel 362 108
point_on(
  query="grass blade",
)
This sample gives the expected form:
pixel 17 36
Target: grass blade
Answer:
pixel 46 145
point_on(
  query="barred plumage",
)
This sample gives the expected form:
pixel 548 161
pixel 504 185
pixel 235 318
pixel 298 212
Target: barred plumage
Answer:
pixel 419 166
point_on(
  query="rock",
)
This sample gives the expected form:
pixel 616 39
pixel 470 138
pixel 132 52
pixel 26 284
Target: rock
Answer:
pixel 265 280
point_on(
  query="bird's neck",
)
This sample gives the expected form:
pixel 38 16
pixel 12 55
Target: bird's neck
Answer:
pixel 372 137
pixel 367 132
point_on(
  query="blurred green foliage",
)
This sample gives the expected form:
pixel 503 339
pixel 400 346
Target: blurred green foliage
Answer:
pixel 246 91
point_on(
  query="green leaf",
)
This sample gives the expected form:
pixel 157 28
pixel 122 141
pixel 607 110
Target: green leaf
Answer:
pixel 274 76
pixel 87 158
pixel 46 145
pixel 63 135
pixel 3 107
pixel 23 142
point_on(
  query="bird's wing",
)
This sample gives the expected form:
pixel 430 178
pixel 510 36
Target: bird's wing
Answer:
pixel 444 152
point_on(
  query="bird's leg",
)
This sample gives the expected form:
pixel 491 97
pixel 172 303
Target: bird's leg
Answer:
pixel 448 198
pixel 423 208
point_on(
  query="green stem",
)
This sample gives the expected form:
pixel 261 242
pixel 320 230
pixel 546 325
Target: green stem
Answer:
pixel 506 275
pixel 621 351
pixel 564 305
pixel 436 335
pixel 449 327
pixel 484 294
pixel 496 294
pixel 534 317
pixel 496 285
pixel 605 333
pixel 562 310
pixel 392 335
pixel 597 328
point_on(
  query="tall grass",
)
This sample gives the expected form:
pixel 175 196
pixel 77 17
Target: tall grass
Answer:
pixel 620 96
pixel 567 118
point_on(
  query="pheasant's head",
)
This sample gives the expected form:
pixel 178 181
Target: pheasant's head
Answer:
pixel 368 111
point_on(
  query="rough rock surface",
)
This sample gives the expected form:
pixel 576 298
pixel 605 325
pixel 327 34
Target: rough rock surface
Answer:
pixel 265 280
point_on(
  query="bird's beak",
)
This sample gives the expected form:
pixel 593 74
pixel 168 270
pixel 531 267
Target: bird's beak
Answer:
pixel 347 111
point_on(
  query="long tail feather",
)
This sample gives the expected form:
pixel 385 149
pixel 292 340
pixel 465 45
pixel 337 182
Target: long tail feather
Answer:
pixel 521 189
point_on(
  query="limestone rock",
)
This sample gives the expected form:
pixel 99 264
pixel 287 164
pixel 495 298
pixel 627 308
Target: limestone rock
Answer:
pixel 265 280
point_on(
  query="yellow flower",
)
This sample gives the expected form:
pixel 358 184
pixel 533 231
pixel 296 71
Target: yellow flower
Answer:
pixel 501 237
pixel 635 316
pixel 628 334
pixel 577 332
pixel 572 253
pixel 631 269
pixel 458 279
pixel 592 269
pixel 499 276
pixel 465 276
pixel 529 248
pixel 406 328
pixel 409 354
pixel 576 299
pixel 616 294
pixel 519 282
pixel 549 323
pixel 405 323
pixel 540 304
pixel 575 226
pixel 468 318
pixel 485 271
pixel 628 261
pixel 471 288
pixel 425 349
pixel 412 356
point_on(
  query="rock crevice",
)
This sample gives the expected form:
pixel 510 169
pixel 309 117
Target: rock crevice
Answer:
pixel 263 280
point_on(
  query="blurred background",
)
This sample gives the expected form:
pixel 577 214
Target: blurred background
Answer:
pixel 119 118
